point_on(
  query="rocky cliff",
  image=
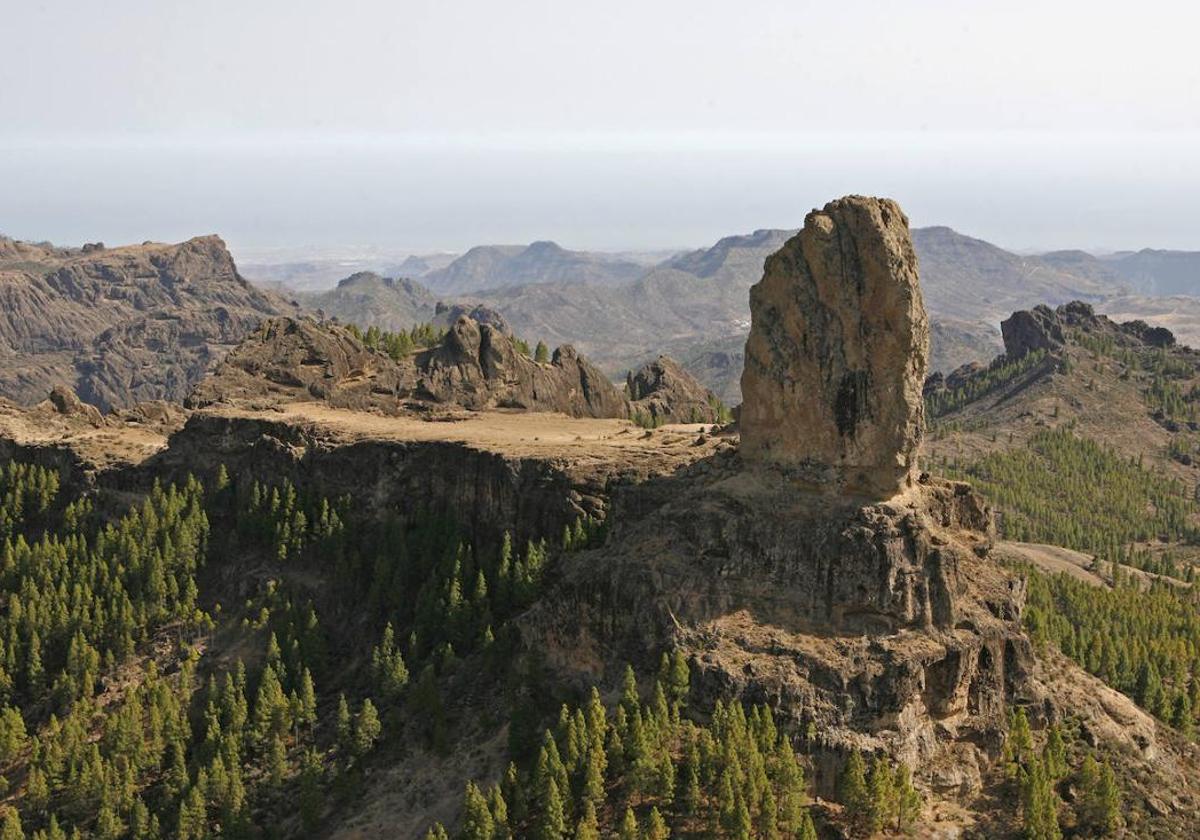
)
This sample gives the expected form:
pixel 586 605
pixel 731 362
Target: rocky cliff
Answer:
pixel 121 325
pixel 474 366
pixel 663 392
pixel 881 620
pixel 837 353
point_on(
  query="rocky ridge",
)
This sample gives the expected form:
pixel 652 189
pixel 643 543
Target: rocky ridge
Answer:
pixel 476 366
pixel 121 325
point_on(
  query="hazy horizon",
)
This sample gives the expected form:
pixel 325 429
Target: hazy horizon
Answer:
pixel 400 126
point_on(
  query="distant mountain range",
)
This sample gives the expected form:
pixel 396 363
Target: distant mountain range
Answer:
pixel 693 305
pixel 497 266
pixel 95 317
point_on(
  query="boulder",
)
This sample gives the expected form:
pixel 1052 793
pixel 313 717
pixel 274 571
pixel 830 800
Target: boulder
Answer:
pixel 837 353
pixel 1032 329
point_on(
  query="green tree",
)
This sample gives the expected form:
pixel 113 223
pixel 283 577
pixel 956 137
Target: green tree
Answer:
pixel 656 826
pixel 367 728
pixel 908 799
pixel 881 794
pixel 542 353
pixel 629 826
pixel 10 825
pixel 853 793
pixel 477 816
pixel 552 823
pixel 588 827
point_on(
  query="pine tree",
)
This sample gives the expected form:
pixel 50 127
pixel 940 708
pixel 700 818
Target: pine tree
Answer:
pixel 552 823
pixel 10 825
pixel 588 827
pixel 656 826
pixel 908 800
pixel 312 792
pixel 629 826
pixel 477 816
pixel 344 727
pixel 499 810
pixel 881 794
pixel 366 728
pixel 542 353
pixel 853 793
pixel 1039 803
pixel 807 830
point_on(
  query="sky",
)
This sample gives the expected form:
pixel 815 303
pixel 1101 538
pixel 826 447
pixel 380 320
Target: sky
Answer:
pixel 419 126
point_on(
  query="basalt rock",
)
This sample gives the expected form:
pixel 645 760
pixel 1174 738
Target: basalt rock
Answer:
pixel 477 366
pixel 837 353
pixel 666 393
pixel 1031 329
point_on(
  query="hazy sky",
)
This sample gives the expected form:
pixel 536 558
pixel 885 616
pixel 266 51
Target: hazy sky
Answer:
pixel 424 125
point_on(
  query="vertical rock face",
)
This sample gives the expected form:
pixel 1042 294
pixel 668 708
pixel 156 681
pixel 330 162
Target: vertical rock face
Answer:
pixel 837 353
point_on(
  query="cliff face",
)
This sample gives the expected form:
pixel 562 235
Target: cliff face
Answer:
pixel 837 353
pixel 882 621
pixel 477 366
pixel 121 325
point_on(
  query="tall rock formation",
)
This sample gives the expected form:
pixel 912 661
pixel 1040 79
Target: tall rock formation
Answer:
pixel 837 353
pixel 796 572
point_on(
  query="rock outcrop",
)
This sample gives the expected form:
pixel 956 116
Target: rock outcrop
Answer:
pixel 477 366
pixel 121 325
pixel 837 353
pixel 878 618
pixel 663 392
pixel 290 359
pixel 1031 329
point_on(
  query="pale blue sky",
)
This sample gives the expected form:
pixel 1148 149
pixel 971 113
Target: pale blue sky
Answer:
pixel 424 125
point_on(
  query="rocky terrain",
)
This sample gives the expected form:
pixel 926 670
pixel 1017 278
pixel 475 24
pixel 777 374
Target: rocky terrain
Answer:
pixel 693 305
pixel 475 366
pixel 121 325
pixel 818 564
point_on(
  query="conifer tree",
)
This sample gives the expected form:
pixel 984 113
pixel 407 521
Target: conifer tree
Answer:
pixel 881 794
pixel 908 800
pixel 853 793
pixel 499 810
pixel 552 822
pixel 588 827
pixel 656 826
pixel 10 825
pixel 629 826
pixel 366 728
pixel 477 816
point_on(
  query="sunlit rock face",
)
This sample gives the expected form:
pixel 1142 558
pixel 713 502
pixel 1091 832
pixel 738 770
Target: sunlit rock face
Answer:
pixel 837 353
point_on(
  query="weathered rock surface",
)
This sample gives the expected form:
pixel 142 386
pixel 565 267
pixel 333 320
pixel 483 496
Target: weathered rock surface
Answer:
pixel 881 620
pixel 289 359
pixel 666 393
pixel 476 366
pixel 121 325
pixel 837 353
pixel 1031 329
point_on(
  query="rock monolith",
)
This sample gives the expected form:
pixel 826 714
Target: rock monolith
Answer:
pixel 837 353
